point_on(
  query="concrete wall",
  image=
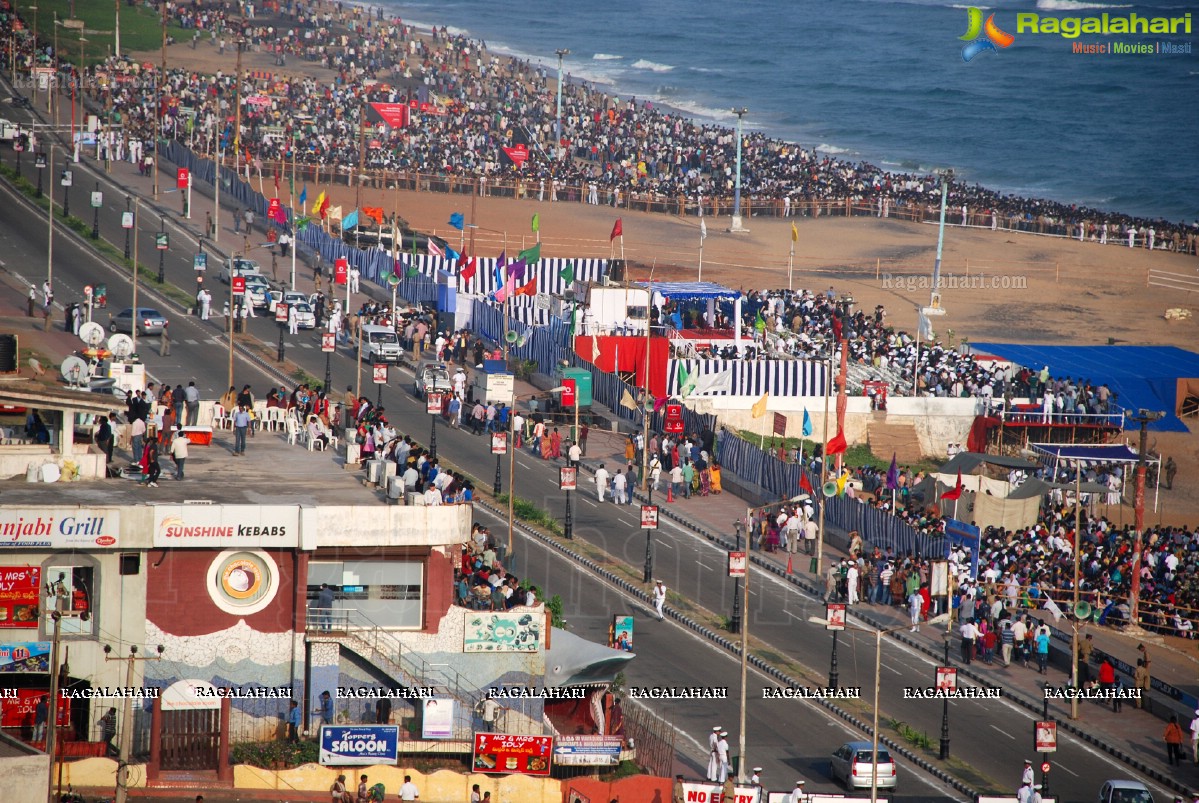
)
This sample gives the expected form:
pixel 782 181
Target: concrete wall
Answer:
pixel 24 778
pixel 937 421
pixel 436 787
pixel 14 460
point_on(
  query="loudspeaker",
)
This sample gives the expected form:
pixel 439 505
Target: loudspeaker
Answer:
pixel 616 270
pixel 131 563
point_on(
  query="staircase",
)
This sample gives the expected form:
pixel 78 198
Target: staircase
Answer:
pixel 352 631
pixel 899 439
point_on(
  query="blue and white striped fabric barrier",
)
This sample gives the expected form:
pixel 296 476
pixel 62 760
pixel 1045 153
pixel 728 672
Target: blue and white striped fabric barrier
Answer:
pixel 781 480
pixel 755 377
pixel 547 271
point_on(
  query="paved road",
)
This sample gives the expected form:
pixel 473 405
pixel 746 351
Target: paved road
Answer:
pixel 991 736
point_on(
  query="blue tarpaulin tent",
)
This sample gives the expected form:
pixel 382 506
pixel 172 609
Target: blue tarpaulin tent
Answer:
pixel 1142 376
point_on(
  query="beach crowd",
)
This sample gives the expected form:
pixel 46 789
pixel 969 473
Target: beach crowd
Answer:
pixel 467 105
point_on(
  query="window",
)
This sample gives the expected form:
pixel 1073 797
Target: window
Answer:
pixel 387 593
pixel 71 590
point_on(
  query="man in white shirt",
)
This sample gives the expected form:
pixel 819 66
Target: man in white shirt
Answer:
pixel 659 599
pixel 432 495
pixel 575 454
pixel 601 481
pixel 408 791
pixel 619 483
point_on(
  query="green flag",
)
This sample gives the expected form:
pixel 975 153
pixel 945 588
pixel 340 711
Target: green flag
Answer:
pixel 536 222
pixel 760 322
pixel 302 223
pixel 686 381
pixel 568 273
pixel 531 256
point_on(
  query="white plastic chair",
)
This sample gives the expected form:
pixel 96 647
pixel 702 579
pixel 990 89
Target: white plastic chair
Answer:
pixel 293 431
pixel 220 418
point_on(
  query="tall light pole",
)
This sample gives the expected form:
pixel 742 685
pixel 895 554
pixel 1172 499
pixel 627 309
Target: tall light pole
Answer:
pixel 162 77
pixel 1144 418
pixel 736 226
pixel 935 299
pixel 116 45
pixel 558 125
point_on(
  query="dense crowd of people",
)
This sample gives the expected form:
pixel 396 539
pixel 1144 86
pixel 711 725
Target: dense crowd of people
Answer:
pixel 467 104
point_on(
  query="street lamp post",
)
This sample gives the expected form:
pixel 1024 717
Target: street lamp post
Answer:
pixel 735 619
pixel 558 123
pixel 162 252
pixel 944 753
pixel 736 225
pixel 126 747
pixel 127 211
pixel 1045 756
pixel 96 213
pixel 66 180
pixel 568 480
pixel 946 177
pixel 834 676
pixel 496 485
pixel 281 320
pixel 40 161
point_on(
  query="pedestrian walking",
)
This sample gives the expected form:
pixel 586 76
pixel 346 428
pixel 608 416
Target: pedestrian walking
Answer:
pixel 241 423
pixel 237 218
pixel 164 343
pixel 1173 738
pixel 660 599
pixel 179 446
pixel 601 482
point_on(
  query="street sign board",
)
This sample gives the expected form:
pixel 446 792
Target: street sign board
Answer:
pixel 433 403
pixel 239 285
pixel 200 262
pixel 328 342
pixel 834 615
pixel 1045 737
pixel 280 313
pixel 736 564
pixel 649 517
pixel 499 443
pixel 126 220
pixel 97 200
pixel 946 678
pixel 162 240
pixel 568 478
pixel 182 176
pixel 379 373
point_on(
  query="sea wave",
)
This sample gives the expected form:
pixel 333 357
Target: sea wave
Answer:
pixel 824 147
pixel 606 57
pixel 652 66
pixel 1075 5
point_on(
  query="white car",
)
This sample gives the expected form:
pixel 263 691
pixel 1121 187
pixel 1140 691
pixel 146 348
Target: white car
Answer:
pixel 1125 792
pixel 305 318
pixel 288 297
pixel 239 266
pixel 259 291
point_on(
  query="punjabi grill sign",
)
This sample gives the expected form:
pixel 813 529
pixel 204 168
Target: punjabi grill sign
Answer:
pixel 226 525
pixel 59 528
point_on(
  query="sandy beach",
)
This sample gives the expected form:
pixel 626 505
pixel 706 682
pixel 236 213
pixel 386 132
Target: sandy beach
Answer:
pixel 997 285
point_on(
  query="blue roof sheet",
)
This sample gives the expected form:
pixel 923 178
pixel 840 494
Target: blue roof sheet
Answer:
pixel 1142 376
pixel 692 289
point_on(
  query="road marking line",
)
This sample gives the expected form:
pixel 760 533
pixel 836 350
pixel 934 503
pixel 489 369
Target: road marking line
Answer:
pixel 1005 733
pixel 892 669
pixel 306 345
pixel 192 342
pixel 1064 767
pixel 593 504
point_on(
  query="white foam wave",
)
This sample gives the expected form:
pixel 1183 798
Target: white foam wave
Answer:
pixel 1074 5
pixel 652 66
pixel 831 149
pixel 606 57
pixel 692 108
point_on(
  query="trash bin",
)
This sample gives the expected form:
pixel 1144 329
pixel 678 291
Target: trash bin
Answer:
pixel 812 565
pixel 734 765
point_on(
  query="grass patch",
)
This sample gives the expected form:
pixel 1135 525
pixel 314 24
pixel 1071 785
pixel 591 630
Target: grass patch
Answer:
pixel 912 736
pixel 141 27
pixel 528 512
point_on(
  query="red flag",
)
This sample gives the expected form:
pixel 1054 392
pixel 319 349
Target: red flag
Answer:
pixel 836 444
pixel 529 288
pixel 956 493
pixel 836 327
pixel 467 271
pixel 324 210
pixel 617 231
pixel 805 484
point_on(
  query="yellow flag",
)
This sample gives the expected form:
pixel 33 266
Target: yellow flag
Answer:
pixel 844 478
pixel 759 408
pixel 794 234
pixel 627 400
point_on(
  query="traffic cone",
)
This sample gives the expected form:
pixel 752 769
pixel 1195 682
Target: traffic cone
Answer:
pixel 670 492
pixel 789 564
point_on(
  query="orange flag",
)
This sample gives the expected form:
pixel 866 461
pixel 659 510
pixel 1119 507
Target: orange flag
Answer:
pixel 529 288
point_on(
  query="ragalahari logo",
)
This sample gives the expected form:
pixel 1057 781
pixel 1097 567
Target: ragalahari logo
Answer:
pixel 982 36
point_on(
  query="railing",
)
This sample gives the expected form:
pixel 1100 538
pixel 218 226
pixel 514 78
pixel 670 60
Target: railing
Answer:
pixel 1033 413
pixel 380 646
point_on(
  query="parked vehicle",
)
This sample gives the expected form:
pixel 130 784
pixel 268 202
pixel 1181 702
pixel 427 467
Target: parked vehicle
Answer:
pixel 432 377
pixel 1121 791
pixel 851 764
pixel 149 321
pixel 239 266
pixel 380 344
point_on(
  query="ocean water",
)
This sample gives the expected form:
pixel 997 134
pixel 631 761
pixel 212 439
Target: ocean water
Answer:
pixel 884 81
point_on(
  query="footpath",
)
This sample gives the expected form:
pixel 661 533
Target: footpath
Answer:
pixel 1133 735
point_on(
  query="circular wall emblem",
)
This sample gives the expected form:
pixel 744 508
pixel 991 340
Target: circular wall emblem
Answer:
pixel 243 582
